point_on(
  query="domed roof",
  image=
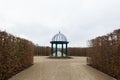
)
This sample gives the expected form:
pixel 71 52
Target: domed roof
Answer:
pixel 59 37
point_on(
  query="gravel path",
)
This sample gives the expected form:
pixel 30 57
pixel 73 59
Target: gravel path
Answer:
pixel 61 69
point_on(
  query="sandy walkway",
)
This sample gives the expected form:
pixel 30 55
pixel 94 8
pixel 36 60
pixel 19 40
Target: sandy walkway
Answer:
pixel 61 69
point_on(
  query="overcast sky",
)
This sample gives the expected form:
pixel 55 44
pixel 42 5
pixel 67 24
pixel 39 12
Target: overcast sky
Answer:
pixel 78 20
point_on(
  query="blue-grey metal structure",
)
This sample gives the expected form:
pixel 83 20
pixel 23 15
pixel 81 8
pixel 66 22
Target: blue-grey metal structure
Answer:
pixel 59 39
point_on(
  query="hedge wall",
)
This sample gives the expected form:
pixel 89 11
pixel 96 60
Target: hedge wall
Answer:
pixel 16 54
pixel 77 51
pixel 104 53
pixel 73 51
pixel 41 50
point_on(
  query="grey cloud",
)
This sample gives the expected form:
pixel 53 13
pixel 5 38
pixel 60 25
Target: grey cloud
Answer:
pixel 79 20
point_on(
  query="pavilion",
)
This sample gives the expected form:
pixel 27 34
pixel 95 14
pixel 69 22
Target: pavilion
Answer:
pixel 59 39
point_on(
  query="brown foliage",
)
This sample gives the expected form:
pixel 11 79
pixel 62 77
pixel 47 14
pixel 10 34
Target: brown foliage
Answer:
pixel 16 54
pixel 45 51
pixel 41 50
pixel 77 51
pixel 104 53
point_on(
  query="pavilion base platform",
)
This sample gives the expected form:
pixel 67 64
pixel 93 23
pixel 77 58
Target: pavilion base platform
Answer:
pixel 65 57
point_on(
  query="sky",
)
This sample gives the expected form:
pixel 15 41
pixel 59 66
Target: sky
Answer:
pixel 79 20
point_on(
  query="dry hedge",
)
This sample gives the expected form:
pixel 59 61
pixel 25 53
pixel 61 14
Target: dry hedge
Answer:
pixel 104 53
pixel 77 51
pixel 41 50
pixel 16 54
pixel 73 51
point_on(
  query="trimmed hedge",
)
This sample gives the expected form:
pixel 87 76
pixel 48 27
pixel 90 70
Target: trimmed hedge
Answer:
pixel 104 53
pixel 16 54
pixel 73 51
pixel 77 51
pixel 41 50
